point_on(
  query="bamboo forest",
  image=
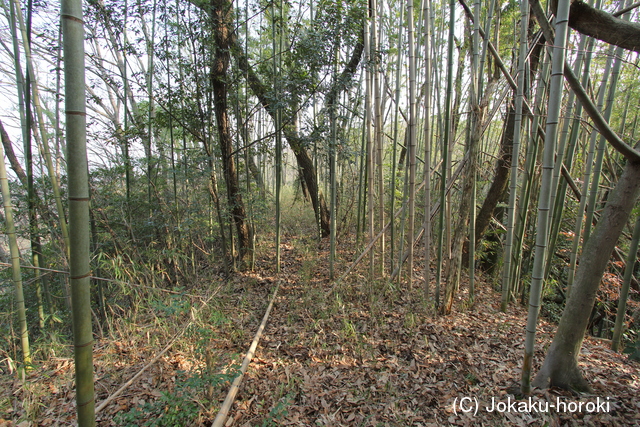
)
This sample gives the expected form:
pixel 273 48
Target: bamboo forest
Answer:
pixel 319 213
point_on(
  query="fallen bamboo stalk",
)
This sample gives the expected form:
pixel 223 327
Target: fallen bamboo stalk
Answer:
pixel 221 418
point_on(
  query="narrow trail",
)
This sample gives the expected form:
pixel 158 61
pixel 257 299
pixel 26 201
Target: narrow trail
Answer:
pixel 371 356
pixel 368 354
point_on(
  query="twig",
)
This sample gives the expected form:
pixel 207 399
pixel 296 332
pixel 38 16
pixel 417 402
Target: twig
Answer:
pixel 135 377
pixel 235 386
pixel 154 360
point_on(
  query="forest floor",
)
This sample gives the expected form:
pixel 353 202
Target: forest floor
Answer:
pixel 368 354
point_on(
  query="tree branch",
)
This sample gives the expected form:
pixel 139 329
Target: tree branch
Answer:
pixel 599 122
pixel 602 25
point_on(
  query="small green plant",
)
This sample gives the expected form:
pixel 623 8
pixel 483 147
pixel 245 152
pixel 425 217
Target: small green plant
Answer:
pixel 633 350
pixel 175 306
pixel 349 329
pixel 278 412
pixel 171 409
pixel 471 378
pixel 178 408
pixel 410 321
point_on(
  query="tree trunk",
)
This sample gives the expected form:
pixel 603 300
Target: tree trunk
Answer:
pixel 560 367
pixel 602 25
pixel 308 171
pixel 305 163
pixel 221 18
pixel 501 177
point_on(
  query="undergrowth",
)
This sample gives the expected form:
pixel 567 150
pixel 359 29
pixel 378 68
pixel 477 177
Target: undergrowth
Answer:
pixel 178 408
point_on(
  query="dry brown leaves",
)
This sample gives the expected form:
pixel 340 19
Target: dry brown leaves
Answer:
pixel 371 355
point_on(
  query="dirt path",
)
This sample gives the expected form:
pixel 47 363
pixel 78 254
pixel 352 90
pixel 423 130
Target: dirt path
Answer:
pixel 369 355
pixel 372 356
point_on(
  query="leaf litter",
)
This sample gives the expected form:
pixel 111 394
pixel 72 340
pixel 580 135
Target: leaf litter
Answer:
pixel 371 354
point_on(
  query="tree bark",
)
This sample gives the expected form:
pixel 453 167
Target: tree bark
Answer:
pixel 501 177
pixel 560 367
pixel 602 25
pixel 13 160
pixel 221 11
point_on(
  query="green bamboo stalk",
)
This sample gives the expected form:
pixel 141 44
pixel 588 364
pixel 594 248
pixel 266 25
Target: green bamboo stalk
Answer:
pixel 476 90
pixel 42 281
pixel 46 152
pixel 485 42
pixel 15 263
pixel 370 149
pixel 333 169
pixel 277 55
pixel 585 182
pixel 79 268
pixel 553 113
pixel 362 189
pixel 511 211
pixel 152 112
pixel 445 146
pixel 394 158
pixel 595 180
pixel 125 142
pixel 412 139
pixel 377 123
pixel 530 175
pixel 171 133
pixel 624 290
pixel 570 140
pixel 427 146
pixel 516 285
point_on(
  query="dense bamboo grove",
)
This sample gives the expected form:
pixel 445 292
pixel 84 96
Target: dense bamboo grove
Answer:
pixel 441 141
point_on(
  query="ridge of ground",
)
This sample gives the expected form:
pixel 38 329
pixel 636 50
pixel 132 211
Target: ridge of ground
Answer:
pixel 370 354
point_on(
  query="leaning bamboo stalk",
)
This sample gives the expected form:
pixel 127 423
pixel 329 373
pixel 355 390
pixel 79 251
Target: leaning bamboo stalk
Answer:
pixel 598 120
pixel 235 386
pixel 46 152
pixel 631 153
pixel 15 262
